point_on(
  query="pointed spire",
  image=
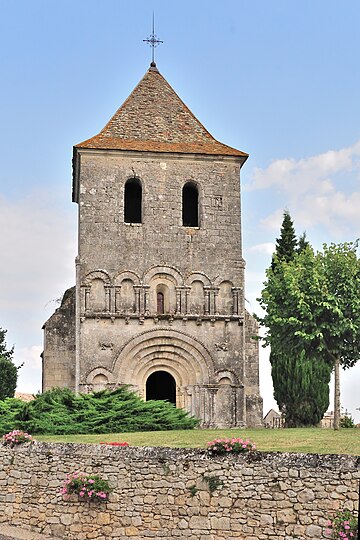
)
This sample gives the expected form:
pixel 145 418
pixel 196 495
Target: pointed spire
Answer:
pixel 154 119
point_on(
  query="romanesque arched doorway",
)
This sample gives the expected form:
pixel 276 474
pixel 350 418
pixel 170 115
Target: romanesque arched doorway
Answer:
pixel 161 385
pixel 185 359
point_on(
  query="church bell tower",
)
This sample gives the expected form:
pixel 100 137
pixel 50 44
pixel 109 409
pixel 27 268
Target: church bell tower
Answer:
pixel 159 297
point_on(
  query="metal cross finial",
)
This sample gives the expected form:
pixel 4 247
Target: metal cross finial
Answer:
pixel 153 40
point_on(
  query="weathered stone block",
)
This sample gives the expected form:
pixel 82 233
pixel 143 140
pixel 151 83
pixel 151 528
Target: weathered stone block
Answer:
pixel 286 516
pixel 199 522
pixel 313 531
pixel 221 523
pixel 306 495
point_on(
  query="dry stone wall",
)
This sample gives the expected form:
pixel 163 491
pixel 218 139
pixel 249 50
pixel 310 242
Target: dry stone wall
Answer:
pixel 175 493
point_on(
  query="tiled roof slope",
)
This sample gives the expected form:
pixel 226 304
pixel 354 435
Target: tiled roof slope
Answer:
pixel 153 118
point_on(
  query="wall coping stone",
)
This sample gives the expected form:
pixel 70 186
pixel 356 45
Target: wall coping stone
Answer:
pixel 343 462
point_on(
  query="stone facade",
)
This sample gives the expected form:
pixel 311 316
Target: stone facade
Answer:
pixel 159 302
pixel 173 493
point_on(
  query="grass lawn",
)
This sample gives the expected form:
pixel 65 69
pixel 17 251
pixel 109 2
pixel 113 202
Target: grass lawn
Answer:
pixel 309 440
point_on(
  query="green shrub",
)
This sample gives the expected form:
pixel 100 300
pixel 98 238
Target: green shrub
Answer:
pixel 347 422
pixel 9 410
pixel 62 412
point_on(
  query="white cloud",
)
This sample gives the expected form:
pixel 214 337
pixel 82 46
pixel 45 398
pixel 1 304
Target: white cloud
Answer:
pixel 316 189
pixel 29 375
pixel 274 220
pixel 30 356
pixel 38 246
pixel 268 248
pixel 298 176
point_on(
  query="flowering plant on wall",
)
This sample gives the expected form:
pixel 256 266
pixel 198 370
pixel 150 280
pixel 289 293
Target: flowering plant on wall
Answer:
pixel 90 487
pixel 16 437
pixel 343 526
pixel 234 446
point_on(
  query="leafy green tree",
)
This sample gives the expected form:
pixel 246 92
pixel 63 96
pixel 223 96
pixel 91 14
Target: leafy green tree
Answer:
pixel 8 354
pixel 8 370
pixel 319 316
pixel 340 339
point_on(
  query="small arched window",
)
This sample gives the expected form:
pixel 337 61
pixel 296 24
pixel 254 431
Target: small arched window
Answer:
pixel 190 205
pixel 132 201
pixel 162 299
pixel 160 303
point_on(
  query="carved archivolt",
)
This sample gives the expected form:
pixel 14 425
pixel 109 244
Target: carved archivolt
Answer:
pixel 198 276
pixel 227 375
pixel 169 272
pixel 92 375
pixel 183 356
pixel 96 274
pixel 127 275
pixel 218 280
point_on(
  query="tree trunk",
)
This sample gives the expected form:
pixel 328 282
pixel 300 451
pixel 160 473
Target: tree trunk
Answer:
pixel 337 393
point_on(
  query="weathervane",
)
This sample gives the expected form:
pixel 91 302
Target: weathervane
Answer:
pixel 153 40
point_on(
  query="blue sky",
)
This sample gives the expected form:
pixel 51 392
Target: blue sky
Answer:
pixel 277 79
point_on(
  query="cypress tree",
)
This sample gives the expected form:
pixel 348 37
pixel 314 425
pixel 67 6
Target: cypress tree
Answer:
pixel 286 244
pixel 301 388
pixel 302 243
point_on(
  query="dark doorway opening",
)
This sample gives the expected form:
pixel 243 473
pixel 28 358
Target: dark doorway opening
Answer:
pixel 161 385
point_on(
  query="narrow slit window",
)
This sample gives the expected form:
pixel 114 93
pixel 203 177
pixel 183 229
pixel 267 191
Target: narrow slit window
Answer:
pixel 133 201
pixel 160 303
pixel 190 205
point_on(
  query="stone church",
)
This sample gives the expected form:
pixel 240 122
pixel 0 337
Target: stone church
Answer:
pixel 159 298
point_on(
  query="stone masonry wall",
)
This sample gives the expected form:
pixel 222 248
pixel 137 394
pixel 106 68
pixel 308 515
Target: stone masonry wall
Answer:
pixel 59 345
pixel 175 493
pixel 107 242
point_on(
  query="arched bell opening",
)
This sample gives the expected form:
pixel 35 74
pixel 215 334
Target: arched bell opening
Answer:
pixel 161 385
pixel 190 205
pixel 133 201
